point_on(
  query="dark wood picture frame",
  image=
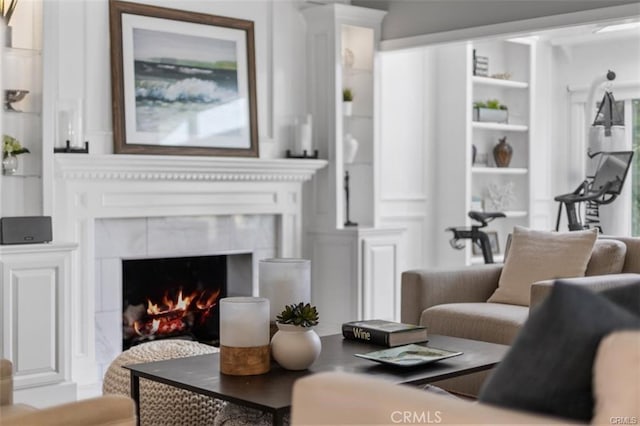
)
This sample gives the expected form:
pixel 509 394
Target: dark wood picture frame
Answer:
pixel 204 104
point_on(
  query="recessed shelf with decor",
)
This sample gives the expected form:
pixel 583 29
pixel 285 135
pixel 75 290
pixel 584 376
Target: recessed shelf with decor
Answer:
pixel 500 170
pixel 497 82
pixel 500 126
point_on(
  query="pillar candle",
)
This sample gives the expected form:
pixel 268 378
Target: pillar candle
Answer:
pixel 284 282
pixel 244 322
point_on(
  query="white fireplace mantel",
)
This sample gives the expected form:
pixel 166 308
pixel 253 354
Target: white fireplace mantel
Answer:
pixel 88 188
pixel 148 167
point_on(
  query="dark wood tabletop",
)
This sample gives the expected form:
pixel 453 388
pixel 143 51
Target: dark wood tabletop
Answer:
pixel 272 391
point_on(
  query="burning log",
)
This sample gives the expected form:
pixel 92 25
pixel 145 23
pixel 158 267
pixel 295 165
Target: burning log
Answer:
pixel 170 317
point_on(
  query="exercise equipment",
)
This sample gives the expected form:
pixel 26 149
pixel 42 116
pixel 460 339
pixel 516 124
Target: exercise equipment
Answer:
pixel 475 234
pixel 603 188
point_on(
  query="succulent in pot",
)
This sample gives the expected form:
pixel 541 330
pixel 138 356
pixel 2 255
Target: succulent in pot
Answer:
pixel 296 345
pixel 301 314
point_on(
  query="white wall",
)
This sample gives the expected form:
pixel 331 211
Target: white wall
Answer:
pixel 407 163
pixel 83 63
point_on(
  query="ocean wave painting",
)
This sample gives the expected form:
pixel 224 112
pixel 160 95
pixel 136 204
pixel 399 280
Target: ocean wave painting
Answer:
pixel 179 76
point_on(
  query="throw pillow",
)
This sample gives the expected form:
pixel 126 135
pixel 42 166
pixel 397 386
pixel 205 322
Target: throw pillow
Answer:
pixel 541 255
pixel 616 385
pixel 549 367
pixel 607 257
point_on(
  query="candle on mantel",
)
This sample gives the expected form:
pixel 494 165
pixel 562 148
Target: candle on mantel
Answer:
pixel 244 335
pixel 284 281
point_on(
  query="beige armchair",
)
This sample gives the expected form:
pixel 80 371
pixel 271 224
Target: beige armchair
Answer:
pixel 112 410
pixel 338 398
pixel 453 302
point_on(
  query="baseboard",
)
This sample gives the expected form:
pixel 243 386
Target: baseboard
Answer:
pixel 46 396
pixel 90 390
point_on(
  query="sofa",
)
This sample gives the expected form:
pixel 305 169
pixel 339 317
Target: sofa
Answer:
pixel 112 410
pixel 575 360
pixel 453 302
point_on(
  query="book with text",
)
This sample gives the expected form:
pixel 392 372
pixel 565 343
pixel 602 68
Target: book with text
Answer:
pixel 385 333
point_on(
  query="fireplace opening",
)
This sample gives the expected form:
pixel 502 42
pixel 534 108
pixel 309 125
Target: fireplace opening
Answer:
pixel 172 298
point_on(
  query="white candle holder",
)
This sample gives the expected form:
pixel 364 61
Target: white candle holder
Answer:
pixel 244 336
pixel 284 281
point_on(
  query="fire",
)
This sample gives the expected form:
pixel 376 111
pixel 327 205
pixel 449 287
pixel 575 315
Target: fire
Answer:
pixel 175 315
pixel 180 304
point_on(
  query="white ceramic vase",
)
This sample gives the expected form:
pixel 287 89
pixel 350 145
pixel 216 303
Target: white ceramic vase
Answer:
pixel 350 148
pixel 347 108
pixel 295 347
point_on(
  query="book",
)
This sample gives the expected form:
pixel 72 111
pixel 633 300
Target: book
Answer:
pixel 385 333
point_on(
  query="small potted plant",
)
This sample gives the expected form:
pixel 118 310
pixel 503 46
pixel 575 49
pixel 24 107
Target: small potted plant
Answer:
pixel 347 101
pixel 492 111
pixel 296 345
pixel 11 147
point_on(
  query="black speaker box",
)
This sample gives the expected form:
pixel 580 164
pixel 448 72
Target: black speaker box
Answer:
pixel 25 230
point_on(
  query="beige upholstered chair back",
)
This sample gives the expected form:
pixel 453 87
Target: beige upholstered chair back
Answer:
pixel 6 382
pixel 632 260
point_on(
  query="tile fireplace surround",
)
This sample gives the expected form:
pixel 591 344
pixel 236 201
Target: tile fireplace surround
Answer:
pixel 119 206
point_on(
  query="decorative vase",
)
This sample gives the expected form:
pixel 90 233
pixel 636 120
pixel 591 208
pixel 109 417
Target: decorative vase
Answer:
pixel 502 153
pixel 295 347
pixel 350 148
pixel 9 164
pixel 347 108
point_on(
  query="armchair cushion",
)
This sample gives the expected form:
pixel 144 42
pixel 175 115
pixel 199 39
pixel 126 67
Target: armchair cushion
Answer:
pixel 541 255
pixel 110 410
pixel 489 322
pixel 428 287
pixel 338 398
pixel 549 367
pixel 616 388
pixel 607 257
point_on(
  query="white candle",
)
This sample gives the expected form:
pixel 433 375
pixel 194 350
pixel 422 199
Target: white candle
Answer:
pixel 244 322
pixel 284 282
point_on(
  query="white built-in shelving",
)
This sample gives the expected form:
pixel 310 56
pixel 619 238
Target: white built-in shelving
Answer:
pixel 342 43
pixel 499 126
pixel 498 82
pixel 516 61
pixel 22 70
pixel 500 170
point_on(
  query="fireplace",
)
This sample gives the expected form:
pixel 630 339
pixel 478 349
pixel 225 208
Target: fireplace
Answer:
pixel 172 298
pixel 136 207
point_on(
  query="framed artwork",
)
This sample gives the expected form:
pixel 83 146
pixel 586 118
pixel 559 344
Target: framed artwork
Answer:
pixel 183 83
pixel 493 239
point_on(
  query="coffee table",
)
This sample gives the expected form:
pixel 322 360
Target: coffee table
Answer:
pixel 271 392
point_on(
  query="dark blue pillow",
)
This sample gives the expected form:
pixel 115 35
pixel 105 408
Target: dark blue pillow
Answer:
pixel 548 368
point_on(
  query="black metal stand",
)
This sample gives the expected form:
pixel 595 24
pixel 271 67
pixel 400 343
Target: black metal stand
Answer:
pixel 304 154
pixel 346 193
pixel 68 150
